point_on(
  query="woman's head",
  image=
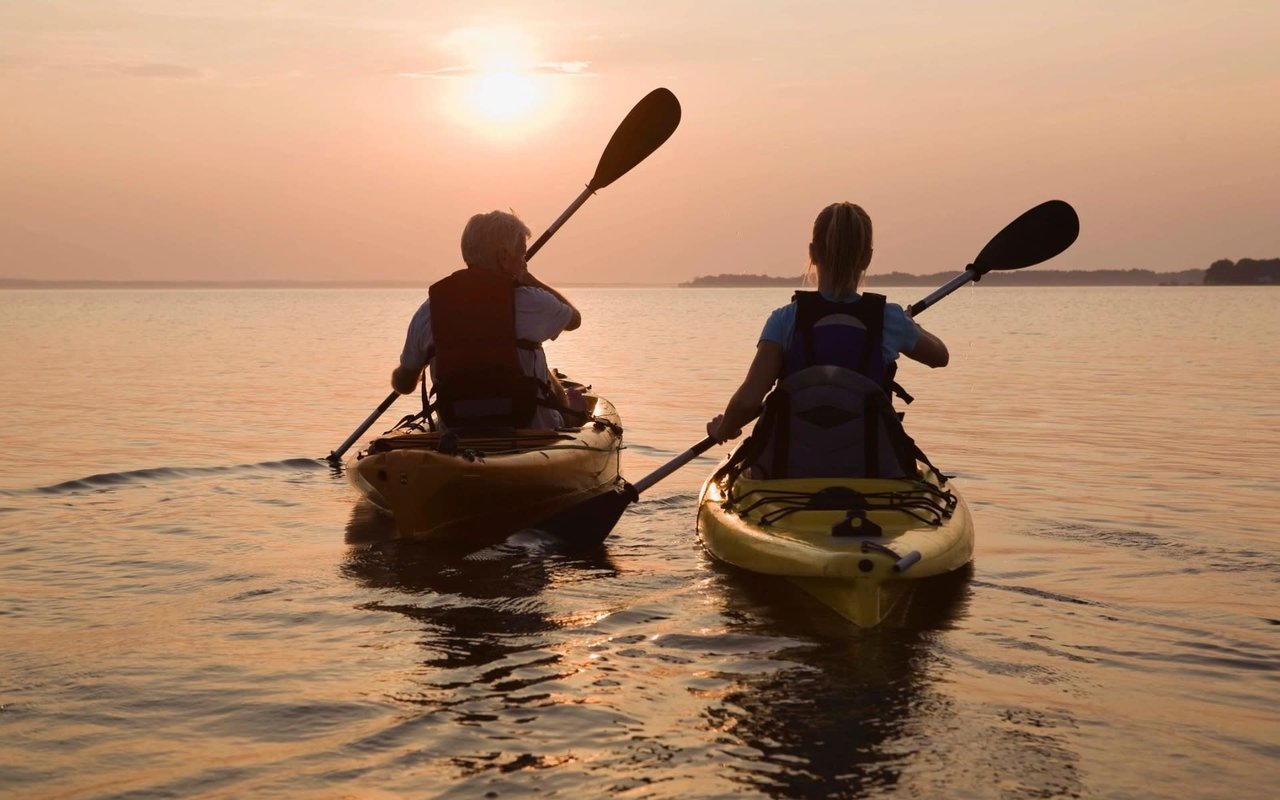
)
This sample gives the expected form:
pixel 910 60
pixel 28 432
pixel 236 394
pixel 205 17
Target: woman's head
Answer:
pixel 495 240
pixel 841 247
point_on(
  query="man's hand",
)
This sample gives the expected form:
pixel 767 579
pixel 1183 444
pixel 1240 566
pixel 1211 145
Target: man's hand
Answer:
pixel 404 380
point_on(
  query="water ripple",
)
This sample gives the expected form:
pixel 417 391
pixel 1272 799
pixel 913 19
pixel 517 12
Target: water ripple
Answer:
pixel 143 477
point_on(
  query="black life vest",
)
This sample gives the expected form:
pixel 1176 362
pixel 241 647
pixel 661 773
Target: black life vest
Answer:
pixel 840 334
pixel 831 416
pixel 475 355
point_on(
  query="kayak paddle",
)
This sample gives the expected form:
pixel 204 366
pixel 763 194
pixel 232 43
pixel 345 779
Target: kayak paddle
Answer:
pixel 1038 235
pixel 650 123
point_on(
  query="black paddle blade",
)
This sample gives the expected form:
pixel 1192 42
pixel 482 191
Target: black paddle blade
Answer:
pixel 586 525
pixel 649 124
pixel 1038 235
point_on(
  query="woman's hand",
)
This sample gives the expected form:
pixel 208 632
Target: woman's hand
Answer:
pixel 714 430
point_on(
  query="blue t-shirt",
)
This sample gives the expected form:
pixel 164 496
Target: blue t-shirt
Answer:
pixel 900 332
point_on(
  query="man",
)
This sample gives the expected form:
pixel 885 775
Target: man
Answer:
pixel 481 331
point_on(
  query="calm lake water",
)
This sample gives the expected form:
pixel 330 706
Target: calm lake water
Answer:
pixel 193 605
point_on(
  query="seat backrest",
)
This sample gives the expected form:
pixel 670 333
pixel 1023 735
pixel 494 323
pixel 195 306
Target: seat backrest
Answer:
pixel 832 422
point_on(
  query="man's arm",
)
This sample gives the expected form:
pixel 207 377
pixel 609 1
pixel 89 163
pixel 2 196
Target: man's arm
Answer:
pixel 527 279
pixel 417 342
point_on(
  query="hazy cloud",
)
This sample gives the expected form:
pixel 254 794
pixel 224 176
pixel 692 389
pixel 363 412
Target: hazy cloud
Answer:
pixel 156 70
pixel 442 72
pixel 573 68
pixel 564 67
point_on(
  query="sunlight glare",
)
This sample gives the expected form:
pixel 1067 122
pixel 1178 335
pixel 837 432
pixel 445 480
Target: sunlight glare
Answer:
pixel 501 91
pixel 505 96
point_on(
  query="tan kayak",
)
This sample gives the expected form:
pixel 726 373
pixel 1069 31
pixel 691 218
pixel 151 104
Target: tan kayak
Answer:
pixel 474 490
pixel 858 545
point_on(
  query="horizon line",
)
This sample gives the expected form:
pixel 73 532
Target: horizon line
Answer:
pixel 284 283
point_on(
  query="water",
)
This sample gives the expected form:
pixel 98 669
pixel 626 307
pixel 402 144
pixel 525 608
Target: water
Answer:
pixel 191 604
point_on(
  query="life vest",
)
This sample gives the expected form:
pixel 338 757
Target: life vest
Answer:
pixel 830 415
pixel 840 334
pixel 475 355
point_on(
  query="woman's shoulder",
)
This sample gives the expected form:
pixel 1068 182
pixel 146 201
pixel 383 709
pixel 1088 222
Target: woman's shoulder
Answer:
pixel 784 312
pixel 895 312
pixel 777 328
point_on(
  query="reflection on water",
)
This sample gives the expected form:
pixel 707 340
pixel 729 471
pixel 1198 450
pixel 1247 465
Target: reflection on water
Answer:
pixel 855 713
pixel 484 623
pixel 824 723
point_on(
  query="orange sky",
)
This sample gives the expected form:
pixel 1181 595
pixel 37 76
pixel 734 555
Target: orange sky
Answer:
pixel 351 139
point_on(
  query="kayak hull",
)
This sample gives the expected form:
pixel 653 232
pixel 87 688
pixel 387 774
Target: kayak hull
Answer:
pixel 493 484
pixel 863 565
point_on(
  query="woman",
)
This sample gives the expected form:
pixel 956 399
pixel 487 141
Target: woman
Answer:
pixel 840 253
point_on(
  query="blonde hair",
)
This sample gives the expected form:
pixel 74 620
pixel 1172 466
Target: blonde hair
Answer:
pixel 488 235
pixel 841 249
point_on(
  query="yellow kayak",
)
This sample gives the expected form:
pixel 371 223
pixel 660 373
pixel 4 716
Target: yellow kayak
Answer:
pixel 473 490
pixel 857 545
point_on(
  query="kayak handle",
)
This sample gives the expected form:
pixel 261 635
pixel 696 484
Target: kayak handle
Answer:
pixel 901 563
pixel 906 562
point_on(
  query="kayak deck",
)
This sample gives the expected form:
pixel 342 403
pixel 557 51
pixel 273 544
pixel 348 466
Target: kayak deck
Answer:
pixel 856 545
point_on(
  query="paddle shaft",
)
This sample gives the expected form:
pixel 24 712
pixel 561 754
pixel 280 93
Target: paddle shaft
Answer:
pixel 336 455
pixel 555 226
pixel 674 464
pixel 950 286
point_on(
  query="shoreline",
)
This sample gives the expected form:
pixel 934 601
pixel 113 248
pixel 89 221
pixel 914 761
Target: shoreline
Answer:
pixel 993 280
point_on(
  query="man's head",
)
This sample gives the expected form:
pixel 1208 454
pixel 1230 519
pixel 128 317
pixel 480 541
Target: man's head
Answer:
pixel 496 240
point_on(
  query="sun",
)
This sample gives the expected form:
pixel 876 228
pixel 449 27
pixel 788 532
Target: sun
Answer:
pixel 501 90
pixel 505 96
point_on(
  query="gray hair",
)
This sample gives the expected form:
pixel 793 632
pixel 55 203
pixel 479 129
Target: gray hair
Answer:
pixel 487 235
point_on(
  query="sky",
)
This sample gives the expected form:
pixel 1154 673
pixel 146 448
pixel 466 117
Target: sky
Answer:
pixel 352 139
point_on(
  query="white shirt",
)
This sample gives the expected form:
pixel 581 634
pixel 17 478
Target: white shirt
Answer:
pixel 540 317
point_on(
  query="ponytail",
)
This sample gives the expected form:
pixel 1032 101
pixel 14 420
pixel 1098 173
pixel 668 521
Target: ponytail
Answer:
pixel 842 246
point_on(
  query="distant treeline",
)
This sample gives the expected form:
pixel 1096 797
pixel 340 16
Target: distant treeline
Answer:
pixel 1030 277
pixel 728 279
pixel 1246 271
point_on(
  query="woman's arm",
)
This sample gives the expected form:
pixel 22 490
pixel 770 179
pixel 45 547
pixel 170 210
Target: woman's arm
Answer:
pixel 744 406
pixel 929 350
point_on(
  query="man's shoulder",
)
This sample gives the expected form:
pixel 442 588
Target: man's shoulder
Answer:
pixel 532 298
pixel 424 310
